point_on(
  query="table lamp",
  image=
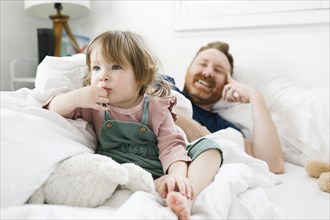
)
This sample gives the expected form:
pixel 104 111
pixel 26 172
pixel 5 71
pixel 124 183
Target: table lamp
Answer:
pixel 59 11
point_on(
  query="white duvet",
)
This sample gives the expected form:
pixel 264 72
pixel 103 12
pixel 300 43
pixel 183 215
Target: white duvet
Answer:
pixel 34 141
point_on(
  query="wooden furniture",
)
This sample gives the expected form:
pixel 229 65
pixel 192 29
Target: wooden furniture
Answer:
pixel 59 22
pixel 44 8
pixel 23 72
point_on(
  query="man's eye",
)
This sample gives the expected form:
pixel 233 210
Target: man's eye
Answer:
pixel 116 67
pixel 220 71
pixel 203 64
pixel 96 68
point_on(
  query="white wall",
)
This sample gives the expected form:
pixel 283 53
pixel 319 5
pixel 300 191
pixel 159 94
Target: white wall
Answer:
pixel 291 51
pixel 18 36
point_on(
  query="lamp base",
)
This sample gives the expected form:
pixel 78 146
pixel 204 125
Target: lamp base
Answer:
pixel 59 22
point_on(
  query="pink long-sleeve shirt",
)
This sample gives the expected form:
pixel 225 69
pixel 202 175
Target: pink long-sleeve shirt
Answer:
pixel 171 143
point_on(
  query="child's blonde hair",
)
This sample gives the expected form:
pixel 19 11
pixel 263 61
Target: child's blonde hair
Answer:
pixel 122 47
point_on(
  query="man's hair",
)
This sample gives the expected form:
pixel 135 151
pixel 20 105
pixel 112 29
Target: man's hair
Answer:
pixel 220 46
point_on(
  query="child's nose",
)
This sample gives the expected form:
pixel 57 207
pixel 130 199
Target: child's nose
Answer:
pixel 104 78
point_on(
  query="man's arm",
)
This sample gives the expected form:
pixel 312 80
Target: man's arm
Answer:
pixel 192 128
pixel 265 143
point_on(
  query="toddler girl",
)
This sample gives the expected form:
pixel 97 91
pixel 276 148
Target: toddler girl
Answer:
pixel 128 104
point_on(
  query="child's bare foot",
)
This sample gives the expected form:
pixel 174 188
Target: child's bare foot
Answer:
pixel 180 204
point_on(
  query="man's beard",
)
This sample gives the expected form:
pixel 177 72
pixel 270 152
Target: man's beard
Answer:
pixel 198 95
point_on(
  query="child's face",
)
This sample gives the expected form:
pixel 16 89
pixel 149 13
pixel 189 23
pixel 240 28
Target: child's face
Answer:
pixel 119 81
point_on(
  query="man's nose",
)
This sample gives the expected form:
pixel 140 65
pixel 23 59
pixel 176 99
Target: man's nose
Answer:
pixel 208 72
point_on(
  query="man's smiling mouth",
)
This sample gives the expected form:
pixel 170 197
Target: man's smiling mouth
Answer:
pixel 204 83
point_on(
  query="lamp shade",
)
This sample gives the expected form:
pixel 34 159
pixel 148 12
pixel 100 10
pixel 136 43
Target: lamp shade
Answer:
pixel 43 9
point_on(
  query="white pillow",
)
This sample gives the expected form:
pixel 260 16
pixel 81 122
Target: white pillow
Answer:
pixel 183 104
pixel 61 72
pixel 302 120
pixel 57 75
pixel 301 115
pixel 237 114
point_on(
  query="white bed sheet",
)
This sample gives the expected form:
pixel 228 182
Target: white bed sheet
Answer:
pixel 298 195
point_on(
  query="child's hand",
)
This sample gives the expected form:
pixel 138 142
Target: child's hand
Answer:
pixel 92 97
pixel 177 183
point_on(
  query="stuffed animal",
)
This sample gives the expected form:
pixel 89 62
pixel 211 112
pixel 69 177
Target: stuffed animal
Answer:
pixel 89 180
pixel 321 170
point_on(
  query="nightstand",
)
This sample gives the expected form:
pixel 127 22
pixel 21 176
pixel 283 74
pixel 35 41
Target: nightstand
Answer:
pixel 23 72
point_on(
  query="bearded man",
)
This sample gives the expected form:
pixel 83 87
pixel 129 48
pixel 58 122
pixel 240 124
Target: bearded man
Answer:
pixel 209 79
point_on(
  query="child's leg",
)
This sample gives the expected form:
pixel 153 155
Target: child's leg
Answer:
pixel 202 170
pixel 201 173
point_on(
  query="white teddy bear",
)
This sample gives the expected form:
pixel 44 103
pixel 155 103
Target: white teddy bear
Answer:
pixel 89 180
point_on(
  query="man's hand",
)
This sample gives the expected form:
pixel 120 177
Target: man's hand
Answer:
pixel 234 91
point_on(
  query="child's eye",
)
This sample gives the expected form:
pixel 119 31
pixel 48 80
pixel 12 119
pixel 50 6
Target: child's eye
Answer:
pixel 96 68
pixel 116 67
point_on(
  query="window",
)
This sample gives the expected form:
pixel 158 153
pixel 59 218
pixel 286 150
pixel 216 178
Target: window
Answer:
pixel 196 15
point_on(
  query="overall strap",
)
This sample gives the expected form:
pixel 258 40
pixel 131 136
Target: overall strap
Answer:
pixel 145 115
pixel 106 114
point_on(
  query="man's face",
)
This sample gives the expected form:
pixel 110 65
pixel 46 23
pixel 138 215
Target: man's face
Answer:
pixel 206 77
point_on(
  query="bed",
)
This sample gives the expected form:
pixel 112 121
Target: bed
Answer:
pixel 35 141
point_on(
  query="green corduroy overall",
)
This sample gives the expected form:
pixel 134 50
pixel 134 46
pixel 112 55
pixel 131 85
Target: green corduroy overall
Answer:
pixel 131 142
